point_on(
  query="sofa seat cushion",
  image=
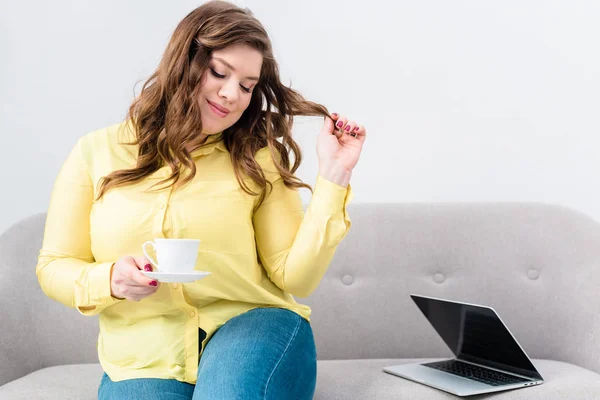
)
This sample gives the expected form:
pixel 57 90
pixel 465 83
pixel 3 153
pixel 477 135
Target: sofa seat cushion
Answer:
pixel 337 379
pixel 62 382
pixel 364 379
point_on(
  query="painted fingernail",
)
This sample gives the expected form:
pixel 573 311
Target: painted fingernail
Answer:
pixel 348 128
pixel 334 114
pixel 153 283
pixel 340 124
pixel 147 267
pixel 356 129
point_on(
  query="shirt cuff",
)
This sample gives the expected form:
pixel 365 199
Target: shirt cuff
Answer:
pixel 95 296
pixel 330 200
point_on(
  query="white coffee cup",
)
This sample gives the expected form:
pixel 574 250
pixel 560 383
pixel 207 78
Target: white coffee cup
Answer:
pixel 173 255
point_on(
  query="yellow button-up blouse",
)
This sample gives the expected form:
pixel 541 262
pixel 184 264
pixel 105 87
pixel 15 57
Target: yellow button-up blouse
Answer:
pixel 257 258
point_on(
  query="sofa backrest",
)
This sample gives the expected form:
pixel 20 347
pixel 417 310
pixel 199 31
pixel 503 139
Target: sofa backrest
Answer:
pixel 536 265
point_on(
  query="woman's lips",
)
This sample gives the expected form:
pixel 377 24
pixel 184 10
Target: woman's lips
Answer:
pixel 220 111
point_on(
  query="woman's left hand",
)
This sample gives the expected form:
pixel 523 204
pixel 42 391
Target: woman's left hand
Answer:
pixel 339 147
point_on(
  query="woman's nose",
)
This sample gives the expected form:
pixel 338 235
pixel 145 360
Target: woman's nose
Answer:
pixel 229 91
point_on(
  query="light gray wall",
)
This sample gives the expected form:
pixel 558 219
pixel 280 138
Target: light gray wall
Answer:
pixel 464 100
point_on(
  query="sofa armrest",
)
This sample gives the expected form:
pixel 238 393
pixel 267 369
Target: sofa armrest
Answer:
pixel 577 321
pixel 19 348
pixel 36 331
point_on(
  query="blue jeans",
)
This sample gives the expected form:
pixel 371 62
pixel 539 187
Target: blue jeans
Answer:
pixel 265 353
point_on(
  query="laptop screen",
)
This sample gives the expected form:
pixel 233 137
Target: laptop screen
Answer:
pixel 475 333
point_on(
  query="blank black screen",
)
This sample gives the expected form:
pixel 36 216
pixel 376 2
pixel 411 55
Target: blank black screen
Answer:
pixel 476 333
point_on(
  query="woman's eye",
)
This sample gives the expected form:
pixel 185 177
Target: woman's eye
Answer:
pixel 216 74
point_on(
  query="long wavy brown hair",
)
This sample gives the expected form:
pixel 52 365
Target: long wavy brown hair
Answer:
pixel 166 115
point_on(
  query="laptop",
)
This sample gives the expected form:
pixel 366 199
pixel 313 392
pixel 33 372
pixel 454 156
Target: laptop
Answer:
pixel 487 356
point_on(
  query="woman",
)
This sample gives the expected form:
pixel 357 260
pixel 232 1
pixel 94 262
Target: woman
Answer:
pixel 206 152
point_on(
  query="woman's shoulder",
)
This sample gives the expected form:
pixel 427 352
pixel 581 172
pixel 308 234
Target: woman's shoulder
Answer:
pixel 121 132
pixel 265 157
pixel 265 160
pixel 107 139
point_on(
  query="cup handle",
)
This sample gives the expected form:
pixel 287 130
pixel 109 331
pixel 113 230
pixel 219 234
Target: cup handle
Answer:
pixel 151 243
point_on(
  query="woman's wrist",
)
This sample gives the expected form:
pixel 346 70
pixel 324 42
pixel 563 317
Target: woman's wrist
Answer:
pixel 336 174
pixel 110 283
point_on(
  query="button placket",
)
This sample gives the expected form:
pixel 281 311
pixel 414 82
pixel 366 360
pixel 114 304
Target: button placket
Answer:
pixel 161 201
pixel 161 204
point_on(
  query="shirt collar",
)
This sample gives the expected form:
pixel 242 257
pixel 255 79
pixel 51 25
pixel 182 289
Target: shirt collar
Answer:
pixel 211 144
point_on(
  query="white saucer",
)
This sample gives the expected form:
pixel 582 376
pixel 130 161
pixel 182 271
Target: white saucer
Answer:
pixel 176 277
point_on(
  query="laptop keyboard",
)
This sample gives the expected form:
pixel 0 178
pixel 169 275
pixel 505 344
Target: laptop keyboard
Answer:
pixel 475 373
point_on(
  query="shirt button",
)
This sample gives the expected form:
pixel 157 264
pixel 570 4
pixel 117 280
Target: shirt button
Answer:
pixel 174 286
pixel 161 206
pixel 192 314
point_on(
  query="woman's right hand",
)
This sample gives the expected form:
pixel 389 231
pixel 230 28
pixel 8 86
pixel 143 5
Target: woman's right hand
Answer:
pixel 127 281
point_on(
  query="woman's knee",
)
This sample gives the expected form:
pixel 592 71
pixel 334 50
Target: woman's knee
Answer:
pixel 260 352
pixel 295 376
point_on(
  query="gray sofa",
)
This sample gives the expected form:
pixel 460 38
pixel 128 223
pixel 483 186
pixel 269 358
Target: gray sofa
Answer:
pixel 537 265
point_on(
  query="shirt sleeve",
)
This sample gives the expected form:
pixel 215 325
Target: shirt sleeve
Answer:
pixel 66 268
pixel 294 247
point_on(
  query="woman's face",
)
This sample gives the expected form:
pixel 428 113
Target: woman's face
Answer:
pixel 227 86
